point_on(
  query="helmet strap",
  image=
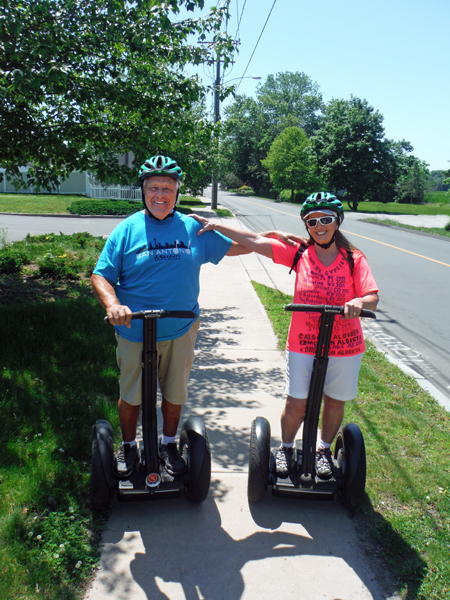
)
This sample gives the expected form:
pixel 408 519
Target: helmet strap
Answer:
pixel 328 244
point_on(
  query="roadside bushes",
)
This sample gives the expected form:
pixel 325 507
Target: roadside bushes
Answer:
pixel 58 267
pixel 12 260
pixel 118 208
pixel 104 207
pixel 286 196
pixel 52 256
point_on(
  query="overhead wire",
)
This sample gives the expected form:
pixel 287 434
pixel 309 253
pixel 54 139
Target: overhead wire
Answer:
pixel 254 50
pixel 236 37
pixel 240 18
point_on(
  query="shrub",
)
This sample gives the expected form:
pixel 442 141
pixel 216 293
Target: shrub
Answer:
pixel 286 196
pixel 12 260
pixel 230 182
pixel 244 190
pixel 57 267
pixel 117 208
pixel 104 207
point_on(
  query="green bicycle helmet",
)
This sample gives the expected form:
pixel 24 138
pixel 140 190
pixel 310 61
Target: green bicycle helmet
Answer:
pixel 160 165
pixel 322 200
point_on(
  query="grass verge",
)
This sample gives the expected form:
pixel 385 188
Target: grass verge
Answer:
pixel 441 207
pixel 434 230
pixel 406 511
pixel 57 376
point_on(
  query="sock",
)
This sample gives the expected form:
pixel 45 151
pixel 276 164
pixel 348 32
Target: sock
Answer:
pixel 167 439
pixel 324 445
pixel 131 444
pixel 288 444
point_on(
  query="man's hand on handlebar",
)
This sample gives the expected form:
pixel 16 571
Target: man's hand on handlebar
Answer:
pixel 119 315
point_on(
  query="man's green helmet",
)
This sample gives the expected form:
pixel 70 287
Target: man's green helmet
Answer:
pixel 322 201
pixel 160 165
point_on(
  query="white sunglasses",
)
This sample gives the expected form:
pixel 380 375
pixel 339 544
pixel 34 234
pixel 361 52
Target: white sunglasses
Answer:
pixel 322 220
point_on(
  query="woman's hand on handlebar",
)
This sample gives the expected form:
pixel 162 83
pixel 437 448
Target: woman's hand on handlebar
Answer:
pixel 353 308
pixel 119 314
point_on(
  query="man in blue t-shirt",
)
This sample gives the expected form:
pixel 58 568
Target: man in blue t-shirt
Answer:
pixel 151 261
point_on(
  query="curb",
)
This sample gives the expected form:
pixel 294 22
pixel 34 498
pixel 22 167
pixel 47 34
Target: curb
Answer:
pixel 400 228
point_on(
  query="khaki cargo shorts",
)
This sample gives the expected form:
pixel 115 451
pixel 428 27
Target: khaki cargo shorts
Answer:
pixel 175 359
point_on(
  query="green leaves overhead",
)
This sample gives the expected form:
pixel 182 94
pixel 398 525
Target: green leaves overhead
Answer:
pixel 85 79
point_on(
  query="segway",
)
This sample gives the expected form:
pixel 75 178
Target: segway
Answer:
pixel 349 462
pixel 149 479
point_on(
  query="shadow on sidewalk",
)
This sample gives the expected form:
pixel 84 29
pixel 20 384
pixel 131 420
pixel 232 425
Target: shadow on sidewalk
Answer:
pixel 207 552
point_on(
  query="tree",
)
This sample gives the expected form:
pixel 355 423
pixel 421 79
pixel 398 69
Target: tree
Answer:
pixel 352 152
pixel 413 182
pixel 447 175
pixel 250 126
pixel 436 178
pixel 288 97
pixel 290 163
pixel 244 143
pixel 83 81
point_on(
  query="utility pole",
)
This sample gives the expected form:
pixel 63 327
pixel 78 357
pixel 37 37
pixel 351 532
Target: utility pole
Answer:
pixel 214 182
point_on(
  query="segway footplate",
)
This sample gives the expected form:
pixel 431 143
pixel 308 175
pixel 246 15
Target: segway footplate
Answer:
pixel 318 489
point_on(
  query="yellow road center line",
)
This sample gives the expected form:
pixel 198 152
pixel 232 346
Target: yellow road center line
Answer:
pixel 397 248
pixel 357 235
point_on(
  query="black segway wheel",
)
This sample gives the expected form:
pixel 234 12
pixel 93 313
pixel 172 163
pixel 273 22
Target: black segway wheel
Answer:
pixel 102 479
pixel 259 459
pixel 350 454
pixel 194 447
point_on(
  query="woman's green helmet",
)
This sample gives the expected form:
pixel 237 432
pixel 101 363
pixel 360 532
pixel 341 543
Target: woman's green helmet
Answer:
pixel 322 201
pixel 160 165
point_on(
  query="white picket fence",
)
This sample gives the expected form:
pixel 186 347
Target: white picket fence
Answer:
pixel 113 192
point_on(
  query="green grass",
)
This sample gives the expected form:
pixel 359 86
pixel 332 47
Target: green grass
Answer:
pixel 36 203
pixel 223 212
pixel 57 376
pixel 393 208
pixel 407 435
pixel 438 197
pixel 433 230
pixel 58 203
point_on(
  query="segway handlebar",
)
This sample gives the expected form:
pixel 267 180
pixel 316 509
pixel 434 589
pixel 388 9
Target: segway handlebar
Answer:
pixel 324 308
pixel 161 314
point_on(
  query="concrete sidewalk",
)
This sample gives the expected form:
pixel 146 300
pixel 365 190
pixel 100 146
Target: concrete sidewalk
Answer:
pixel 226 549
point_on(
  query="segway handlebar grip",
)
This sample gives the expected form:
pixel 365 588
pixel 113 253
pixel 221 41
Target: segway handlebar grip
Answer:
pixel 323 308
pixel 161 314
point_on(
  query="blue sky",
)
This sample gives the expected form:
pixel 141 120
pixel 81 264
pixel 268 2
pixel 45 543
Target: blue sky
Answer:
pixel 393 53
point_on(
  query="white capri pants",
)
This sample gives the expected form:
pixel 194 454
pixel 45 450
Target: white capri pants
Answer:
pixel 341 381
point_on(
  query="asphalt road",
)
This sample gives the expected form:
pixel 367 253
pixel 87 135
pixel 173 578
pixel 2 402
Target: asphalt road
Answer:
pixel 411 270
pixel 17 227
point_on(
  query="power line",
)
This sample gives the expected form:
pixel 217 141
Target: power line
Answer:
pixel 260 35
pixel 240 19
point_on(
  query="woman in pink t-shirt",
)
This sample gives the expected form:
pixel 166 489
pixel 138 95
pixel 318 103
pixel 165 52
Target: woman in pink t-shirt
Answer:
pixel 329 270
